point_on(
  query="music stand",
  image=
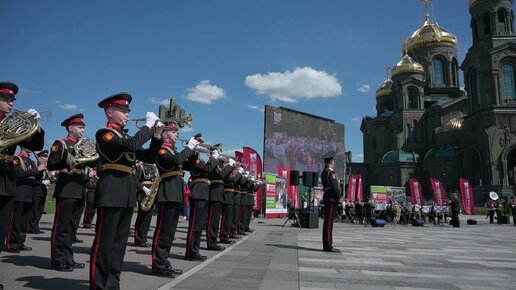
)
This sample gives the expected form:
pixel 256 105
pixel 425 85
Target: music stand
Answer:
pixel 293 216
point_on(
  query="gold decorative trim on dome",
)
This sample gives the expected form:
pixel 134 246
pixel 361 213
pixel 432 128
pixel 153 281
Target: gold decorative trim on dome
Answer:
pixel 473 2
pixel 453 124
pixel 385 89
pixel 407 65
pixel 429 34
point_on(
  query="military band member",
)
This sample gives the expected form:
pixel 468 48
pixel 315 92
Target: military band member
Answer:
pixel 145 175
pixel 228 206
pixel 244 182
pixel 199 195
pixel 115 196
pixel 89 209
pixel 236 207
pixel 26 174
pixel 215 203
pixel 69 194
pixel 40 195
pixel 330 198
pixel 250 195
pixel 169 199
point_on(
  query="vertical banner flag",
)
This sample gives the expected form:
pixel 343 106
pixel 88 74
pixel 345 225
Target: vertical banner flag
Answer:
pixel 254 163
pixel 439 193
pixel 352 189
pixel 360 191
pixel 467 196
pixel 416 192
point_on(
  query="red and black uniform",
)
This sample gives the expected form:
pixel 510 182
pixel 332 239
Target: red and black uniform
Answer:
pixel 330 198
pixel 115 198
pixel 169 199
pixel 145 175
pixel 228 207
pixel 236 209
pixel 250 203
pixel 199 196
pixel 69 194
pixel 40 197
pixel 217 195
pixel 244 206
pixel 89 209
pixel 26 173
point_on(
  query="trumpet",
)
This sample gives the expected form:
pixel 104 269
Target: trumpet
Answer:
pixel 201 147
pixel 180 122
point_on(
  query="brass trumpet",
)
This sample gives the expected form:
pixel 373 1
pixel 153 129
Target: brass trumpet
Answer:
pixel 179 122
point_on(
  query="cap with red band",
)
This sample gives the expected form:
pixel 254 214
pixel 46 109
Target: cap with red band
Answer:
pixel 170 127
pixel 121 100
pixel 75 119
pixel 8 88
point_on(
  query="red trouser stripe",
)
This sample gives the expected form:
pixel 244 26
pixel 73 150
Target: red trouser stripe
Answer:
pixel 136 226
pixel 54 230
pixel 96 252
pixel 11 221
pixel 192 226
pixel 222 223
pixel 330 223
pixel 156 238
pixel 208 227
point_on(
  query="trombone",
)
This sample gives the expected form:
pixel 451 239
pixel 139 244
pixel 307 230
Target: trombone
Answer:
pixel 181 122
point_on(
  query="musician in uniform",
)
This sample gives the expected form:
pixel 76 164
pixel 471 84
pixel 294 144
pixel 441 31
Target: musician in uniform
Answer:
pixel 455 209
pixel 228 206
pixel 89 209
pixel 169 199
pixel 251 191
pixel 199 196
pixel 69 195
pixel 40 194
pixel 26 175
pixel 331 196
pixel 217 177
pixel 145 175
pixel 236 206
pixel 242 205
pixel 115 196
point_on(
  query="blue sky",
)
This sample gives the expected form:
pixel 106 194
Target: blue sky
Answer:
pixel 222 60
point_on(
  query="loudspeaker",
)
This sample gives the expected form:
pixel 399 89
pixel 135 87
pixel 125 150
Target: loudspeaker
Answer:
pixel 418 222
pixel 309 220
pixel 307 179
pixel 471 222
pixel 377 223
pixel 294 177
pixel 315 178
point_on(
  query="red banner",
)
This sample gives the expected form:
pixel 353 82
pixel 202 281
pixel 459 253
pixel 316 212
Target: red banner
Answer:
pixel 416 191
pixel 360 190
pixel 439 192
pixel 467 196
pixel 254 163
pixel 352 188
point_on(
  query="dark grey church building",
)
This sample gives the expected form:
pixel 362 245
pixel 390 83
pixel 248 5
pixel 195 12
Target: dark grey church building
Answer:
pixel 428 126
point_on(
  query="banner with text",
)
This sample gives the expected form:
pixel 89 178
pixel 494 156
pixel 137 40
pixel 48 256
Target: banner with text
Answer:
pixel 254 163
pixel 467 196
pixel 416 191
pixel 439 192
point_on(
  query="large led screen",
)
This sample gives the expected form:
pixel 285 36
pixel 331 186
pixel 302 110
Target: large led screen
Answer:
pixel 298 140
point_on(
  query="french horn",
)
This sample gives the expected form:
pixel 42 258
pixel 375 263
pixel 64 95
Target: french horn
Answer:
pixel 84 151
pixel 17 127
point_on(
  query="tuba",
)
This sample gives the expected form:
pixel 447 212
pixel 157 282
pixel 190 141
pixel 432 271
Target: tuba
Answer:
pixel 17 127
pixel 148 199
pixel 85 151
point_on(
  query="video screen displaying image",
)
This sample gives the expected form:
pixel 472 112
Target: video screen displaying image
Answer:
pixel 298 140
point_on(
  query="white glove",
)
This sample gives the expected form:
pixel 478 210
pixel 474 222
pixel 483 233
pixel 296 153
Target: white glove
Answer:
pixel 215 154
pixel 34 113
pixel 158 129
pixel 146 190
pixel 150 119
pixel 240 170
pixel 231 161
pixel 45 182
pixel 192 143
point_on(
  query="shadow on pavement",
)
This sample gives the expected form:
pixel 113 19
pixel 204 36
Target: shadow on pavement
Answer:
pixel 35 261
pixel 40 282
pixel 294 247
pixel 136 267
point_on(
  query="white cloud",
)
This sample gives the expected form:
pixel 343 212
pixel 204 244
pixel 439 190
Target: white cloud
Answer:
pixel 303 83
pixel 254 107
pixel 68 107
pixel 356 119
pixel 358 158
pixel 205 93
pixel 165 102
pixel 186 129
pixel 231 151
pixel 364 88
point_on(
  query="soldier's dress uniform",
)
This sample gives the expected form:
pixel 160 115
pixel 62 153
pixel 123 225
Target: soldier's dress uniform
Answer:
pixel 244 206
pixel 69 195
pixel 228 207
pixel 330 198
pixel 145 175
pixel 236 209
pixel 217 177
pixel 40 197
pixel 199 196
pixel 169 199
pixel 26 175
pixel 115 196
pixel 250 195
pixel 7 171
pixel 89 209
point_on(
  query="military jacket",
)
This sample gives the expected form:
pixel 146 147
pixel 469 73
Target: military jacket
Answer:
pixel 171 189
pixel 330 183
pixel 117 188
pixel 26 175
pixel 217 177
pixel 229 186
pixel 7 171
pixel 200 172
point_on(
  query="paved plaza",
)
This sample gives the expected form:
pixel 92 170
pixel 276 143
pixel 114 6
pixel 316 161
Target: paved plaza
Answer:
pixel 482 256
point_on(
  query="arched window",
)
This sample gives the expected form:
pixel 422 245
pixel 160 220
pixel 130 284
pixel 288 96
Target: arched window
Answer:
pixel 508 82
pixel 486 24
pixel 503 27
pixel 438 71
pixel 413 96
pixel 474 88
pixel 474 29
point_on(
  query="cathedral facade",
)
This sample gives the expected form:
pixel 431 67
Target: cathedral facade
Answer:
pixel 428 126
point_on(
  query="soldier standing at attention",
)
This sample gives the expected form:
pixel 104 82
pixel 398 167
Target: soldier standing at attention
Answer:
pixel 331 197
pixel 69 194
pixel 169 199
pixel 228 206
pixel 145 175
pixel 40 195
pixel 115 196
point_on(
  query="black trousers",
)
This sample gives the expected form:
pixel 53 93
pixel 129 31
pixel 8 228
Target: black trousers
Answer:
pixel 108 249
pixel 166 225
pixel 213 223
pixel 242 220
pixel 236 217
pixel 327 233
pixel 37 211
pixel 18 224
pixel 249 216
pixel 455 219
pixel 76 217
pixel 142 224
pixel 226 222
pixel 6 209
pixel 197 219
pixel 89 213
pixel 63 232
pixel 514 216
pixel 491 216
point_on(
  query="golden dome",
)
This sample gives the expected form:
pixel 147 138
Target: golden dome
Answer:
pixel 385 89
pixel 453 124
pixel 407 65
pixel 429 34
